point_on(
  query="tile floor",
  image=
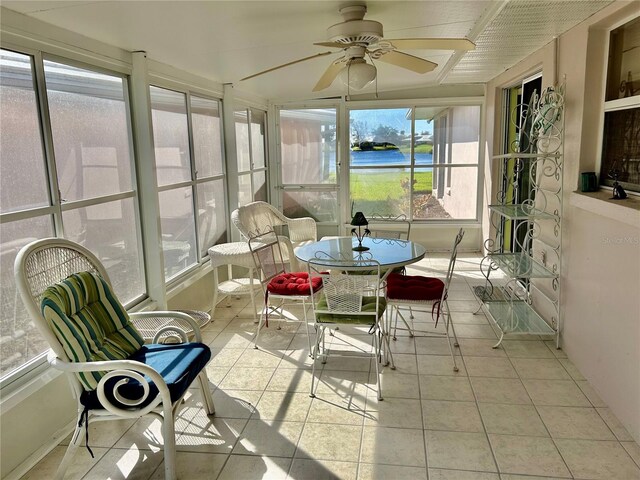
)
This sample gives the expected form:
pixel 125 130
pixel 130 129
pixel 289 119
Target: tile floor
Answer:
pixel 519 412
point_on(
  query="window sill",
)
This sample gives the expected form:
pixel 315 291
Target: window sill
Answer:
pixel 625 211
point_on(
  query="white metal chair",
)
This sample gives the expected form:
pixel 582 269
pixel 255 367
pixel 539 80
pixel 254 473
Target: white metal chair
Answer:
pixel 277 283
pixel 390 226
pixel 257 218
pixel 347 298
pixel 52 271
pixel 415 291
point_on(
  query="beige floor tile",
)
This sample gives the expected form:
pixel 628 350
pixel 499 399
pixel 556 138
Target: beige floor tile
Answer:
pixel 297 358
pixel 235 403
pixel 210 434
pixel 275 340
pixel 393 446
pixel 226 357
pixel 598 460
pixel 480 347
pixel 512 419
pixel 397 385
pixel 216 374
pixel 500 390
pixel 146 434
pixel 475 331
pixel 290 380
pixel 103 434
pixel 372 471
pixel 344 383
pixel 303 469
pixel 571 369
pixel 556 392
pixel 405 345
pixel 393 412
pixel 439 474
pixel 575 422
pixel 633 450
pixel 452 416
pixel 526 477
pixel 526 349
pixel 330 442
pixel 439 365
pixel 465 306
pixel 459 451
pixel 339 363
pixel 405 363
pixel 259 359
pixel 270 438
pixel 132 464
pixel 489 367
pixel 469 318
pixel 248 467
pixel 557 352
pixel 431 346
pixel 528 456
pixel 336 409
pixel 284 406
pixel 230 340
pixel 540 368
pixel 591 394
pixel 194 466
pixel 445 388
pixel 247 378
pixel 81 464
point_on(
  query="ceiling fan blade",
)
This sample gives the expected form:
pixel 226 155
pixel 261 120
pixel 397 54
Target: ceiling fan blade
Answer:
pixel 329 76
pixel 432 43
pixel 334 44
pixel 404 60
pixel 287 64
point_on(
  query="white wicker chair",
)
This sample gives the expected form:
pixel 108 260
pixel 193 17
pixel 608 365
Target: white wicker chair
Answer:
pixel 257 218
pixel 46 262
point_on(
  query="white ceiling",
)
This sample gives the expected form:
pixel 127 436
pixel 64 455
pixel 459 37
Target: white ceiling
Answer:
pixel 227 40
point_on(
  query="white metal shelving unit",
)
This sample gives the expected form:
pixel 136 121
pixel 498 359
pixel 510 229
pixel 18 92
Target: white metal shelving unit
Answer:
pixel 527 219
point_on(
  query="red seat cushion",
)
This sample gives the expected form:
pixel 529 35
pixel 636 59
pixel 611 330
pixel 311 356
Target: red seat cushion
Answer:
pixel 409 287
pixel 293 284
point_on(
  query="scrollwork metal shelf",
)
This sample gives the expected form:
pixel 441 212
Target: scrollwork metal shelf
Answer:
pixel 526 220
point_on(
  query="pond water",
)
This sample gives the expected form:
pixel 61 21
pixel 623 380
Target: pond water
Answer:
pixel 387 157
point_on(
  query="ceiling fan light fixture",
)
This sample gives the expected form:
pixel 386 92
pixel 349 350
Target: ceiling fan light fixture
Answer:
pixel 358 74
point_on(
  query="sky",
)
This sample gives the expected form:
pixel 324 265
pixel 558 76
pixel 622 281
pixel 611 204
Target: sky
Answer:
pixel 395 118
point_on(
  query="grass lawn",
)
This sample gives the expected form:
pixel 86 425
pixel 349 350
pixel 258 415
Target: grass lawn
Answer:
pixel 382 192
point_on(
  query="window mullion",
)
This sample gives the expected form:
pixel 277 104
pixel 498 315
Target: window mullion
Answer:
pixel 47 141
pixel 413 160
pixel 194 176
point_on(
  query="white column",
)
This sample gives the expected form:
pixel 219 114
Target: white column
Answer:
pixel 231 157
pixel 147 181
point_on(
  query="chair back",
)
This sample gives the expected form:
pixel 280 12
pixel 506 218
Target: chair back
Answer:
pixel 44 263
pixel 346 288
pixel 257 218
pixel 267 255
pixel 397 227
pixel 452 259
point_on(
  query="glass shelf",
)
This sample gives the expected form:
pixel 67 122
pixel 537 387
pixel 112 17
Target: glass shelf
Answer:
pixel 520 212
pixel 521 265
pixel 517 317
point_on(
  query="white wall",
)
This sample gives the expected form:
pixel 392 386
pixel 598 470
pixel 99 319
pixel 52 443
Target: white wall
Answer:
pixel 600 275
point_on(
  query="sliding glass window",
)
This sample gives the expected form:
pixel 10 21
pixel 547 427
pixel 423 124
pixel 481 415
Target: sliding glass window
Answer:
pixel 82 186
pixel 421 163
pixel 251 125
pixel 190 174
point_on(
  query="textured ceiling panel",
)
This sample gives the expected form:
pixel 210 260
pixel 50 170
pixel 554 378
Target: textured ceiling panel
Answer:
pixel 521 28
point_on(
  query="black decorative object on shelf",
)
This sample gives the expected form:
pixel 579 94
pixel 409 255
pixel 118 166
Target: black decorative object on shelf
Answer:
pixel 618 191
pixel 359 220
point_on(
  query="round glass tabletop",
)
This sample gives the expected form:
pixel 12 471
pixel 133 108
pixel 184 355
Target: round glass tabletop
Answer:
pixel 389 252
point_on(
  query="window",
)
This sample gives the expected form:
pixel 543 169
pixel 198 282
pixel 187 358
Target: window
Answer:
pixel 308 168
pixel 83 189
pixel 191 188
pixel 418 162
pixel 621 136
pixel 251 127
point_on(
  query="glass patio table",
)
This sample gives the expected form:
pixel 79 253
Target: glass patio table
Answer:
pixel 391 253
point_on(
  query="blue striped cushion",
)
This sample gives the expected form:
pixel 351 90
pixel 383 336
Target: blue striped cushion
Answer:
pixel 89 322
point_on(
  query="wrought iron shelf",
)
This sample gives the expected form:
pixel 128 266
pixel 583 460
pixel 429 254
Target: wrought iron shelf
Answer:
pixel 520 212
pixel 507 156
pixel 521 265
pixel 517 316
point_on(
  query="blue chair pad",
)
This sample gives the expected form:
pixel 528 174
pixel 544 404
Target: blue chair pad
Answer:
pixel 179 365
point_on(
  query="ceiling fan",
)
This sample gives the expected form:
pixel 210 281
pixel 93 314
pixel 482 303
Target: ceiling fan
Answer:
pixel 358 38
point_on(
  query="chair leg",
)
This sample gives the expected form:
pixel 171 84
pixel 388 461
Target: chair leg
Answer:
pixel 319 334
pixel 260 322
pixel 453 329
pixel 71 451
pixel 306 324
pixel 376 346
pixel 446 320
pixel 169 434
pixel 387 337
pixel 207 398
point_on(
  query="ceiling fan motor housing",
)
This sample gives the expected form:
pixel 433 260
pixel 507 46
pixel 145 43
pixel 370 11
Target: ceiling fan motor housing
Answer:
pixel 354 29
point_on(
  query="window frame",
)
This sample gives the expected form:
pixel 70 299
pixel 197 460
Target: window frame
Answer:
pixel 188 91
pixel 57 205
pixel 607 106
pixel 248 110
pixel 414 104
